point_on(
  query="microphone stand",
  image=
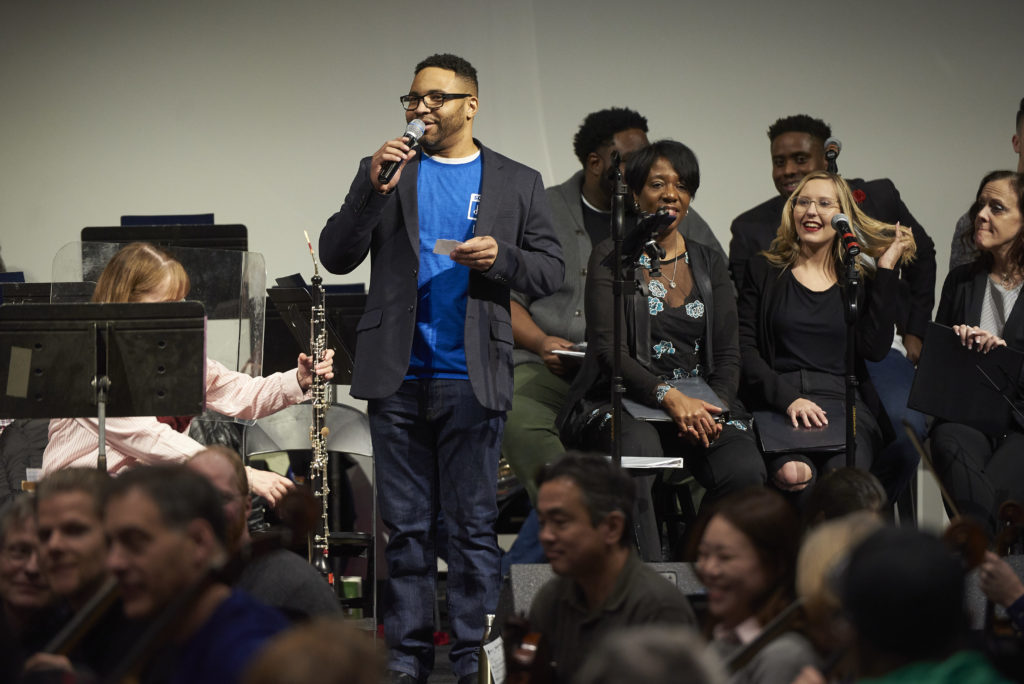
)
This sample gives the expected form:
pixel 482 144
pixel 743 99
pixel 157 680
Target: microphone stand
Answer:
pixel 618 229
pixel 851 282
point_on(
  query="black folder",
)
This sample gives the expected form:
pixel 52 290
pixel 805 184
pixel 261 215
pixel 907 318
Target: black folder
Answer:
pixel 777 435
pixel 962 385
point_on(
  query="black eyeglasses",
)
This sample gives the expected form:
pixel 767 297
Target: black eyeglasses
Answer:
pixel 433 100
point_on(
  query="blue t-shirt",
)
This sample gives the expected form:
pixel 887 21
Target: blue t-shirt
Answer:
pixel 448 193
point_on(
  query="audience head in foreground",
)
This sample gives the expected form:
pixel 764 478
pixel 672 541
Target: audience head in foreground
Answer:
pixel 653 654
pixel 69 513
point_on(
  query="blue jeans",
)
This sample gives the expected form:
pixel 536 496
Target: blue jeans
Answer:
pixel 436 448
pixel 897 463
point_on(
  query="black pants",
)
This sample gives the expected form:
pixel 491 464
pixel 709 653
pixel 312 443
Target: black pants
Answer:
pixel 816 386
pixel 978 471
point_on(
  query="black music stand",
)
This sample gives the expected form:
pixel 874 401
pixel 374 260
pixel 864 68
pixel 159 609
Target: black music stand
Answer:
pixel 963 385
pixel 84 360
pixel 295 307
pixel 229 236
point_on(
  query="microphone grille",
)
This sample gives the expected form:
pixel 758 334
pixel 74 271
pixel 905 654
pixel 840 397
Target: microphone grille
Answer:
pixel 840 221
pixel 834 143
pixel 415 129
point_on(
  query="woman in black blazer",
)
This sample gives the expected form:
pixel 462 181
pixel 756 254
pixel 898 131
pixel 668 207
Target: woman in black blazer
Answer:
pixel 980 301
pixel 792 326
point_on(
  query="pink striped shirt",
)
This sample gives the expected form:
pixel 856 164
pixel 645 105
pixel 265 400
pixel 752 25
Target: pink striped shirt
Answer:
pixel 75 441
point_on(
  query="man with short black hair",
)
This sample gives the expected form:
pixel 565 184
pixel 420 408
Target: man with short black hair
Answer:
pixel 797 148
pixel 448 236
pixel 960 250
pixel 585 505
pixel 167 537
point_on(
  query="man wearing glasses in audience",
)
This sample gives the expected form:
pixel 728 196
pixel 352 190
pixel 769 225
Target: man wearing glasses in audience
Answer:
pixel 448 235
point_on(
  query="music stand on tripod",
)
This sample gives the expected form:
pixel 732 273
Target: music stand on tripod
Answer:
pixel 118 360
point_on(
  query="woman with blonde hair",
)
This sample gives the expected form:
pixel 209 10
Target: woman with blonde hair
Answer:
pixel 141 272
pixel 792 322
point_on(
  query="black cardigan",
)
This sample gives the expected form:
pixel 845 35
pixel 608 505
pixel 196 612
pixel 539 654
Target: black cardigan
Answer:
pixel 721 356
pixel 762 387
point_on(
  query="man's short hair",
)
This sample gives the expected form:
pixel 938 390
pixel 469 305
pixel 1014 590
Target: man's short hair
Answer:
pixel 903 590
pixel 235 461
pixel 843 491
pixel 17 511
pixel 461 67
pixel 653 654
pixel 181 495
pixel 800 123
pixel 1020 116
pixel 599 128
pixel 605 487
pixel 90 481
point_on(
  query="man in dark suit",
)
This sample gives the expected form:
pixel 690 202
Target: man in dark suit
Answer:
pixel 434 349
pixel 798 148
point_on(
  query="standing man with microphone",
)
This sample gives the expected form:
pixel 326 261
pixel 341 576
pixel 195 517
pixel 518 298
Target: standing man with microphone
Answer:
pixel 449 234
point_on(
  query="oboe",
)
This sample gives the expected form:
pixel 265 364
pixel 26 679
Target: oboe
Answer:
pixel 318 430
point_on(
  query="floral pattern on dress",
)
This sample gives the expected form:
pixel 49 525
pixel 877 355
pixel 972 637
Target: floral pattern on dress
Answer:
pixel 657 289
pixel 655 305
pixel 663 347
pixel 644 261
pixel 680 373
pixel 695 309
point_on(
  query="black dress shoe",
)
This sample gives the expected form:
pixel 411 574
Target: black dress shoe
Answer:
pixel 470 678
pixel 395 677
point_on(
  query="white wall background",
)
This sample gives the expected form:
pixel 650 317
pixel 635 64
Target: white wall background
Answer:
pixel 259 110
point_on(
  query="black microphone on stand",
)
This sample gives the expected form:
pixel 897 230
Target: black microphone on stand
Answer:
pixel 412 135
pixel 832 149
pixel 841 224
pixel 641 239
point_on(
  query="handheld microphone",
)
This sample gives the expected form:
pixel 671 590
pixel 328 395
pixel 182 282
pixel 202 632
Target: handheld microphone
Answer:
pixel 413 131
pixel 832 149
pixel 841 224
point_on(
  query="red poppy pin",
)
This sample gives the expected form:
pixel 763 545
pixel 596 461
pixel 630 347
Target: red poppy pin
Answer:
pixel 859 196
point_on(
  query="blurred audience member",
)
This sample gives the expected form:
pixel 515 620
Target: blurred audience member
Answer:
pixel 325 650
pixel 903 593
pixel 840 492
pixel 746 559
pixel 652 654
pixel 278 577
